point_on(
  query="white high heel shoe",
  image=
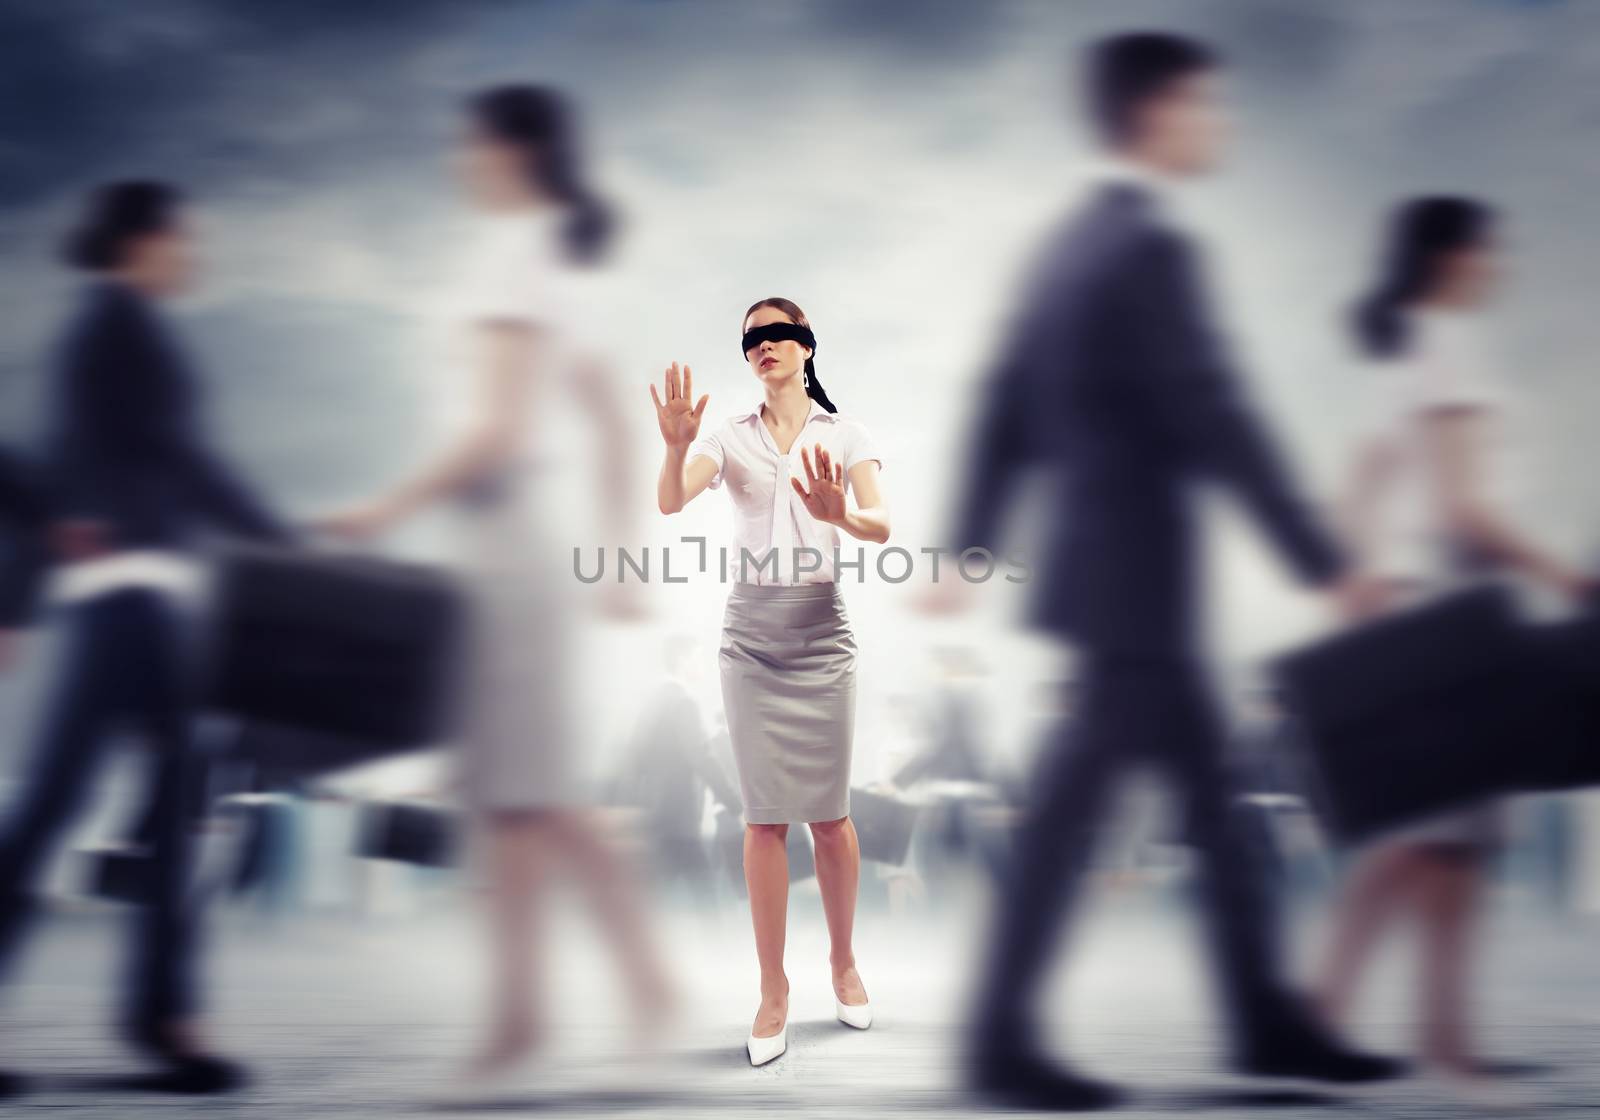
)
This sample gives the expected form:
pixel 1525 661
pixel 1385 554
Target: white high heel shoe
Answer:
pixel 763 1050
pixel 857 1015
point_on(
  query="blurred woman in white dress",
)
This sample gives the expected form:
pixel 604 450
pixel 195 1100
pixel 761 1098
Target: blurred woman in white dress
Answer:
pixel 523 304
pixel 1426 508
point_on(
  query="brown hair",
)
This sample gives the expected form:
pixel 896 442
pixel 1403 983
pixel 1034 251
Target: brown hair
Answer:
pixel 789 307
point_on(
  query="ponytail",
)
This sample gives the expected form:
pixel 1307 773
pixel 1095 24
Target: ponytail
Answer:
pixel 590 227
pixel 542 124
pixel 1379 324
pixel 814 388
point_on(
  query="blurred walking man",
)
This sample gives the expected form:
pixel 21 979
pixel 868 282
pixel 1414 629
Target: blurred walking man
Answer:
pixel 1113 378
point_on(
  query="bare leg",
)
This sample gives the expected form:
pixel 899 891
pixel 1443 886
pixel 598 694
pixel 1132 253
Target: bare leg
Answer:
pixel 1449 905
pixel 607 881
pixel 839 875
pixel 766 875
pixel 517 870
pixel 1381 881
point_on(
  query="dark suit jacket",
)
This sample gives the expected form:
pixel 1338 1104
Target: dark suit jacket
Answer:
pixel 1114 379
pixel 127 443
pixel 125 447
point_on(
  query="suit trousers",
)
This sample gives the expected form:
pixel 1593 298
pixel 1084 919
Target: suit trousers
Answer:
pixel 123 668
pixel 1134 710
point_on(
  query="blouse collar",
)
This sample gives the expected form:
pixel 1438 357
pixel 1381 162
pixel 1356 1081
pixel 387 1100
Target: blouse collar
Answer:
pixel 816 411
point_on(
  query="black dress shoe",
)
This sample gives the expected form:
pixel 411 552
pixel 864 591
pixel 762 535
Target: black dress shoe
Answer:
pixel 183 1070
pixel 1022 1081
pixel 198 1074
pixel 1320 1060
pixel 1295 1043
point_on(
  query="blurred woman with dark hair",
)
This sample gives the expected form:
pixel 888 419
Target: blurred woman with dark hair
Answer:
pixel 1425 506
pixel 129 479
pixel 523 307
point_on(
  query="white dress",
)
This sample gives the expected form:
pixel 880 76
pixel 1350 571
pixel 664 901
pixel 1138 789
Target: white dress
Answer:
pixel 1447 365
pixel 518 727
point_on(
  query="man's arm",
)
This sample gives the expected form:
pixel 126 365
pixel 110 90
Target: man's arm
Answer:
pixel 1186 375
pixel 226 499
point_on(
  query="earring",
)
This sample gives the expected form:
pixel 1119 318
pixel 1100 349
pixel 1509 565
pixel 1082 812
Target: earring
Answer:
pixel 805 379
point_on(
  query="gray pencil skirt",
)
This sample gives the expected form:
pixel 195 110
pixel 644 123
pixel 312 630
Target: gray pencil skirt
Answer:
pixel 788 665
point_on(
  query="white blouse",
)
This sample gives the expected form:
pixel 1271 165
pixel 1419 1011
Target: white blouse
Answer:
pixel 517 271
pixel 514 270
pixel 770 521
pixel 1448 364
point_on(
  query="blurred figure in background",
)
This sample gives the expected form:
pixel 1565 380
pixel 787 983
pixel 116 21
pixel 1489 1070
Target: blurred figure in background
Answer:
pixel 952 774
pixel 271 864
pixel 1275 794
pixel 664 775
pixel 129 468
pixel 953 752
pixel 900 735
pixel 1114 376
pixel 542 229
pixel 1426 503
pixel 727 809
pixel 1549 829
pixel 1054 704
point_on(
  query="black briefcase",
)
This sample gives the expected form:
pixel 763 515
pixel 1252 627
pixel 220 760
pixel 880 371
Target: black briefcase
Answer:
pixel 285 757
pixel 409 832
pixel 340 648
pixel 883 825
pixel 1437 707
pixel 1569 656
pixel 118 872
pixel 1366 671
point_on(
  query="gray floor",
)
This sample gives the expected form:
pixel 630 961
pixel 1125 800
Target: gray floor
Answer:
pixel 364 1016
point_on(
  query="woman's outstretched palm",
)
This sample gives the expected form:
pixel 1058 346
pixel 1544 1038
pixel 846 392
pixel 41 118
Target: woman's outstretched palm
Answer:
pixel 680 422
pixel 825 498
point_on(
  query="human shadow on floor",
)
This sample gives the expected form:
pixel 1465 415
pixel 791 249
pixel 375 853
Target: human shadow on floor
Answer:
pixel 1512 1068
pixel 172 1083
pixel 804 1033
pixel 1265 1098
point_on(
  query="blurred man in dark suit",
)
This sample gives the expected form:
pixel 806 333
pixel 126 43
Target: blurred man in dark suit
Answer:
pixel 1114 379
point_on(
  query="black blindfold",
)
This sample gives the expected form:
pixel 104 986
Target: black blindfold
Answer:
pixel 777 332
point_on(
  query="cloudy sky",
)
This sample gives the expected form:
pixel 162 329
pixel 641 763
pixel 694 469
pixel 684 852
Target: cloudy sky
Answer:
pixel 888 165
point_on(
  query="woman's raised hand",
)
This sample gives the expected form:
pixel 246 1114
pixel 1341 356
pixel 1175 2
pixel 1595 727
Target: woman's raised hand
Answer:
pixel 825 498
pixel 680 422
